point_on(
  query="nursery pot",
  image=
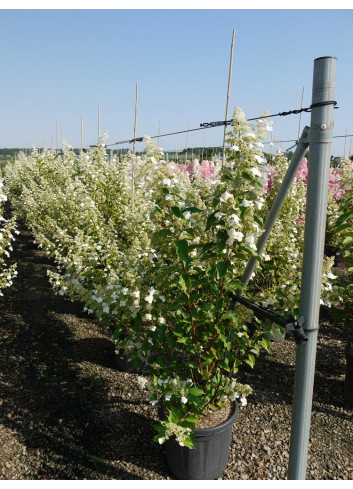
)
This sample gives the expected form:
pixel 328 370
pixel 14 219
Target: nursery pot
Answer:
pixel 348 386
pixel 123 361
pixel 210 457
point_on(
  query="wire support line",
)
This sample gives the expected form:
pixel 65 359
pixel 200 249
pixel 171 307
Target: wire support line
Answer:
pixel 209 125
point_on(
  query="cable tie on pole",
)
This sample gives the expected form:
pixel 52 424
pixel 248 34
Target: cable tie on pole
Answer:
pixel 327 102
pixel 311 330
pixel 298 331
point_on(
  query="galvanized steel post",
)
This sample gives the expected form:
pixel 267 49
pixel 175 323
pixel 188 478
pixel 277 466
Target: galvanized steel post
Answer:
pixel 321 128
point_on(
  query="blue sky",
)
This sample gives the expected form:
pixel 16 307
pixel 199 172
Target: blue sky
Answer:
pixel 59 65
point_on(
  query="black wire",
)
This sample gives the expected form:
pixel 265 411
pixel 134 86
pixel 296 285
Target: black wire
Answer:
pixel 209 125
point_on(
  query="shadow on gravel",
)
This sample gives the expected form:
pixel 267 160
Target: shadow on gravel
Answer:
pixel 62 419
pixel 273 374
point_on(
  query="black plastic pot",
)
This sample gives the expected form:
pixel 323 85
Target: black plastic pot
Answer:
pixel 210 457
pixel 348 385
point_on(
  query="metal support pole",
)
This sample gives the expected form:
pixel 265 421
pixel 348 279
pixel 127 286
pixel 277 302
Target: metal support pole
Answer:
pixel 321 127
pixel 288 179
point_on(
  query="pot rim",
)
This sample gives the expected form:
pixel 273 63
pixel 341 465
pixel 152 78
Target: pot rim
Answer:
pixel 220 427
pixel 204 432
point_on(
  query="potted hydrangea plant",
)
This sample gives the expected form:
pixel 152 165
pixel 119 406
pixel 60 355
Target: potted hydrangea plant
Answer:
pixel 183 325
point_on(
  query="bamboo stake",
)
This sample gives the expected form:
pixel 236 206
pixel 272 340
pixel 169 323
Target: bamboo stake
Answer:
pixel 56 132
pixel 203 145
pixel 81 132
pixel 99 122
pixel 300 115
pixel 135 125
pixel 187 138
pixel 345 140
pixel 134 152
pixel 159 132
pixel 228 95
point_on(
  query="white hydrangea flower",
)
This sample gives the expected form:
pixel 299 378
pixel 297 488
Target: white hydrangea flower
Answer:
pixel 245 203
pixel 256 172
pixel 234 236
pixel 225 196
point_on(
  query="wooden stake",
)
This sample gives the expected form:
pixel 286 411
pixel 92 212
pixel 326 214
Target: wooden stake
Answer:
pixel 345 139
pixel 135 125
pixel 203 145
pixel 134 152
pixel 187 138
pixel 159 132
pixel 99 122
pixel 81 132
pixel 228 95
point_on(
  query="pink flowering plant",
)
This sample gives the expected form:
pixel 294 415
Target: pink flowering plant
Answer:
pixel 343 228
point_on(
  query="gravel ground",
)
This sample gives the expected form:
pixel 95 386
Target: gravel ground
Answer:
pixel 67 413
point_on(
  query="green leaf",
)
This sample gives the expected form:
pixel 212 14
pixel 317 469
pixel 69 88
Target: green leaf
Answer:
pixel 160 428
pixel 232 315
pixel 182 249
pixel 208 246
pixel 185 283
pixel 266 343
pixel 222 268
pixel 193 209
pixel 190 442
pixel 247 176
pixel 171 341
pixel 175 415
pixel 211 220
pixel 138 321
pixel 344 217
pixel 196 391
pixel 213 407
pixel 250 361
pixel 347 239
pixel 177 212
pixel 162 232
pixel 258 220
pixel 192 418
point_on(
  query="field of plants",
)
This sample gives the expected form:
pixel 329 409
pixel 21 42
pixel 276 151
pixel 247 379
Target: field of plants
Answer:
pixel 155 250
